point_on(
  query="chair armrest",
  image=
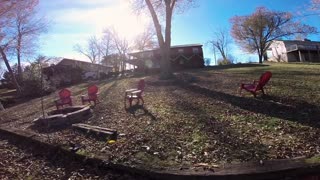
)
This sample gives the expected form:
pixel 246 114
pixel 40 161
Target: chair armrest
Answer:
pixel 136 92
pixel 255 81
pixel 130 90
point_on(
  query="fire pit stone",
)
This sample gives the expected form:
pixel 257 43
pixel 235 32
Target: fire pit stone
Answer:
pixel 65 116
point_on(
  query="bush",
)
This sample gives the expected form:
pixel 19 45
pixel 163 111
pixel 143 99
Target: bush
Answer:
pixel 224 61
pixel 31 85
pixel 7 81
pixel 32 88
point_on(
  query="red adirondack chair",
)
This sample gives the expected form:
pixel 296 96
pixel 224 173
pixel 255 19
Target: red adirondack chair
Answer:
pixel 65 98
pixel 132 94
pixel 257 86
pixel 92 95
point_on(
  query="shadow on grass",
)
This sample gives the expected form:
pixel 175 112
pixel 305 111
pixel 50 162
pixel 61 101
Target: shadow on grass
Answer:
pixel 136 110
pixel 103 92
pixel 58 164
pixel 45 129
pixel 297 111
pixel 226 143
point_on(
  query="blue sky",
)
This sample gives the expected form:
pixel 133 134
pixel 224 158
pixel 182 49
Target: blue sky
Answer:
pixel 73 21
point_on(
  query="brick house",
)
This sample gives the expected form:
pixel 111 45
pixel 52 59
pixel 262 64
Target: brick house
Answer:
pixel 182 57
pixel 294 51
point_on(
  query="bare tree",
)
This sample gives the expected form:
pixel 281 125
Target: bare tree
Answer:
pixel 92 50
pixel 7 39
pixel 121 46
pixel 163 9
pixel 146 40
pixel 27 27
pixel 255 32
pixel 107 46
pixel 221 42
pixel 315 5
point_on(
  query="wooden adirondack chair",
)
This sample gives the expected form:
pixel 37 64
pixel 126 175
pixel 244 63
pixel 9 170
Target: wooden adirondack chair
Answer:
pixel 65 98
pixel 132 94
pixel 257 85
pixel 92 95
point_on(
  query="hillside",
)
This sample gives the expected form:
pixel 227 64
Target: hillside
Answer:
pixel 198 117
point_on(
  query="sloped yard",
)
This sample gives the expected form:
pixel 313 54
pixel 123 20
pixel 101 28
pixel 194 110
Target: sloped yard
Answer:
pixel 196 119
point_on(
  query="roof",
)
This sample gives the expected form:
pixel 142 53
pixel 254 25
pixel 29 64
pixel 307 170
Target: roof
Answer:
pixel 186 45
pixel 58 60
pixel 298 41
pixel 172 47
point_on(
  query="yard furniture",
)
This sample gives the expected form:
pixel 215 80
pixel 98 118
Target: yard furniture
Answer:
pixel 132 94
pixel 92 95
pixel 65 98
pixel 257 85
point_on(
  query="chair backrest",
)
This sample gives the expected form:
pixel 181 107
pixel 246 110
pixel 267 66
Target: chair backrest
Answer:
pixel 65 96
pixel 92 90
pixel 264 79
pixel 141 85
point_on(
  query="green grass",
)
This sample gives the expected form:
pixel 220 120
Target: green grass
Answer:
pixel 199 117
pixel 313 160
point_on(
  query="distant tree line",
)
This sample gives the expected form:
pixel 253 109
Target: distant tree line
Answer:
pixel 112 49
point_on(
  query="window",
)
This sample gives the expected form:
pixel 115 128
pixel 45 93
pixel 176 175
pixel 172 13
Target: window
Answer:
pixel 180 50
pixel 195 50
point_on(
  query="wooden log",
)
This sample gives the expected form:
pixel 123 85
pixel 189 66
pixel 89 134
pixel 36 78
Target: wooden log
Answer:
pixel 100 132
pixel 1 106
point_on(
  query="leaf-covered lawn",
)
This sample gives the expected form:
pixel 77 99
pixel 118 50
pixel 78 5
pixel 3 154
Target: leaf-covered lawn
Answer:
pixel 198 118
pixel 20 161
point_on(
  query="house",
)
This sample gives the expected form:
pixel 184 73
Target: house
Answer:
pixel 294 51
pixel 65 71
pixel 182 56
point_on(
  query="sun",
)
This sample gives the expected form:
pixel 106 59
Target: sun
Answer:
pixel 122 19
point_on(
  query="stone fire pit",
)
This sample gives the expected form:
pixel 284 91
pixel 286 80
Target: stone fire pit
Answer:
pixel 65 116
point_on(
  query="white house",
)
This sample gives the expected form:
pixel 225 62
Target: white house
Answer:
pixel 294 51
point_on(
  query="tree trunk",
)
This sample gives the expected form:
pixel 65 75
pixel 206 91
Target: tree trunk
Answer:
pixel 223 56
pixel 164 43
pixel 265 57
pixel 20 77
pixel 166 70
pixel 15 82
pixel 260 58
